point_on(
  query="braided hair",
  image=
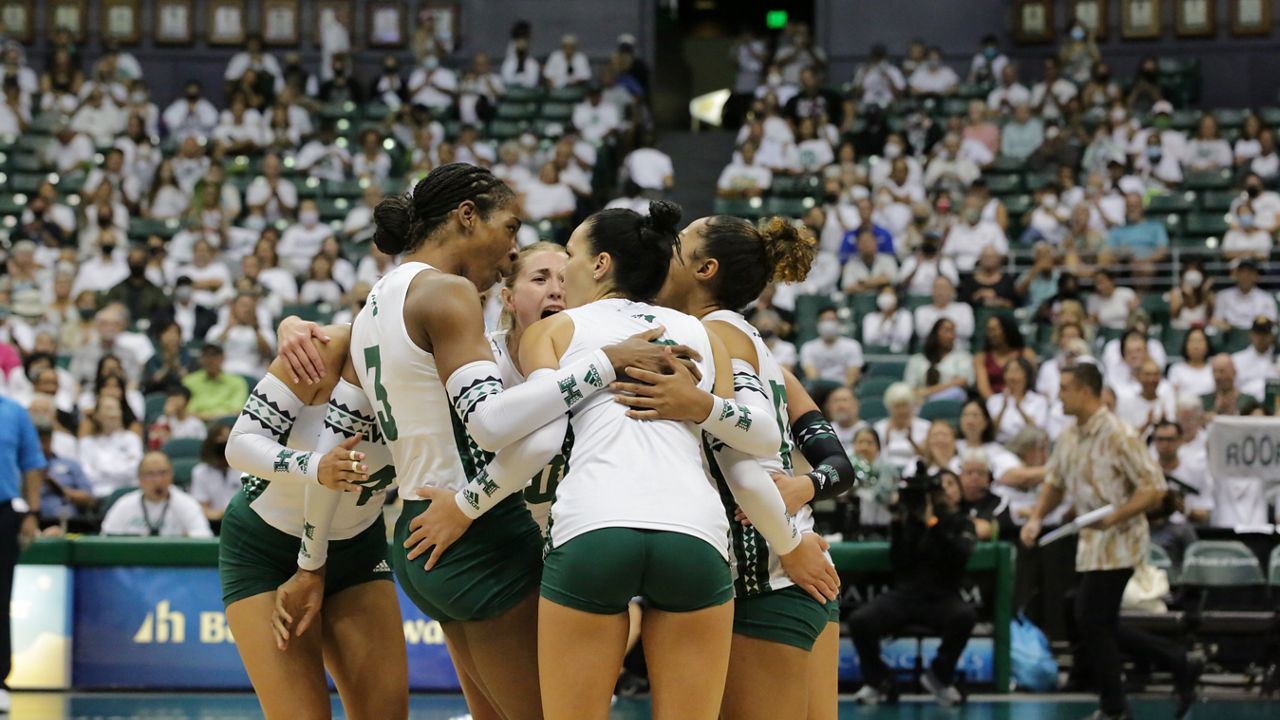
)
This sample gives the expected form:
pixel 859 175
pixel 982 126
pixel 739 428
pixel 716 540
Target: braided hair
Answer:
pixel 404 222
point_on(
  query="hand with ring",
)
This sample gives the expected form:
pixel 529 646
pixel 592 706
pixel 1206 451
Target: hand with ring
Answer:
pixel 340 468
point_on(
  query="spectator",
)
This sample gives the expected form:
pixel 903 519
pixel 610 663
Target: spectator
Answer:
pixel 940 371
pixel 341 87
pixel 1265 203
pixel 480 90
pixel 934 78
pixel 813 151
pixel 22 473
pixel 210 279
pixel 1003 344
pixel 743 176
pixel 981 132
pixel 1009 93
pixel 868 270
pixel 125 189
pixel 1109 305
pixel 170 363
pixel 1020 472
pixel 890 325
pixel 649 167
pixel 320 287
pixel 302 241
pixel 1238 307
pixel 68 151
pixel 1192 376
pixel 270 192
pixel 902 434
pixel 1040 281
pixel 214 482
pixel 978 432
pixel 867 217
pixel 324 158
pixel 920 271
pixel 1017 405
pixel 878 81
pixel 944 305
pixel 241 129
pixel 1145 93
pixel 567 65
pixel 950 167
pixel 989 286
pixel 109 337
pixel 108 452
pixel 1167 442
pixel 193 320
pixel 215 394
pixel 832 356
pixel 1191 301
pixel 191 115
pixel 595 119
pixel 110 381
pixel 1267 164
pixel 1152 402
pixel 1246 238
pixel 519 68
pixel 1248 146
pixel 278 281
pixel 874 498
pixel 548 198
pixel 1256 364
pixel 1080 57
pixel 988 63
pixel 967 239
pixel 166 200
pixel 797 53
pixel 137 294
pixel 66 493
pixel 175 422
pixel 1051 97
pixel 1207 151
pixel 939 450
pixel 990 512
pixel 435 86
pixel 253 58
pixel 1023 135
pixel 841 407
pixel 1123 358
pixel 1226 398
pixel 245 337
pixel 156 508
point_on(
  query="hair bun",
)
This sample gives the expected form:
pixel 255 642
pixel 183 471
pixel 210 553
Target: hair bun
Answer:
pixel 664 217
pixel 790 249
pixel 392 219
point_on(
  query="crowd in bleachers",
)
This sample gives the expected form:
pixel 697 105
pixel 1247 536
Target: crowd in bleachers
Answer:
pixel 982 227
pixel 151 243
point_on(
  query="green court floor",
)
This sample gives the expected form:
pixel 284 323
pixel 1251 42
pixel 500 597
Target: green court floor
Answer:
pixel 119 706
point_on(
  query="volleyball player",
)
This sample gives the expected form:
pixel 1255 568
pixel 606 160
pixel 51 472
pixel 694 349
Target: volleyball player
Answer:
pixel 285 440
pixel 723 264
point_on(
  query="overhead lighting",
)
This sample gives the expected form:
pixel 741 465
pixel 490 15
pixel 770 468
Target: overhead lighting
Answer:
pixel 709 108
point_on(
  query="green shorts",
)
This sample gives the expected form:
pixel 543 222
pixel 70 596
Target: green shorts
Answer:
pixel 601 571
pixel 833 608
pixel 491 568
pixel 254 557
pixel 788 616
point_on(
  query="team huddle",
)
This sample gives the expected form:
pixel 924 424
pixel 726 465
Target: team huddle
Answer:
pixel 626 441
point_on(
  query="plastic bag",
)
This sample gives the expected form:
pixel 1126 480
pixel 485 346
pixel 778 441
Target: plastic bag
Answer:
pixel 1034 668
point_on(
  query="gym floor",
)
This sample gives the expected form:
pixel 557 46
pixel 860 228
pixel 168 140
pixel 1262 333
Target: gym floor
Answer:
pixel 118 706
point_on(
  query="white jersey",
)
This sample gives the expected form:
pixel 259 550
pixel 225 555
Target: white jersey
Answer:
pixel 429 445
pixel 280 504
pixel 542 487
pixel 755 572
pixel 631 474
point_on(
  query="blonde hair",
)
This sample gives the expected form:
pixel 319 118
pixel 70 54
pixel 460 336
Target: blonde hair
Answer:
pixel 507 320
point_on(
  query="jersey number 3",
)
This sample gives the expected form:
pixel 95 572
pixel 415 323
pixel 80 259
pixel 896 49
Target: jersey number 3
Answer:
pixel 373 359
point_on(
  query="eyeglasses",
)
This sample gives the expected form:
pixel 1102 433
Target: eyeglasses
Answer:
pixel 1166 439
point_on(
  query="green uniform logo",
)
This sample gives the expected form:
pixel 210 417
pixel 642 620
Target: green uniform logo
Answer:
pixel 302 462
pixel 593 377
pixel 282 461
pixel 309 530
pixel 487 484
pixel 472 499
pixel 744 419
pixel 569 389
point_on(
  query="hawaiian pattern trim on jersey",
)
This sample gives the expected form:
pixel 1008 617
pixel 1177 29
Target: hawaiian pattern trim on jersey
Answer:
pixel 749 382
pixel 473 394
pixel 271 417
pixel 253 486
pixel 348 422
pixel 474 460
pixel 750 560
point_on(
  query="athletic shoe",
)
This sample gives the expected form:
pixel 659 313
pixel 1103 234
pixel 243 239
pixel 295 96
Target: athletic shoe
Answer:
pixel 1184 691
pixel 870 695
pixel 946 695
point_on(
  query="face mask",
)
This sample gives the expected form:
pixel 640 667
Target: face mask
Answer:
pixel 1102 78
pixel 944 206
pixel 774 79
pixel 193 96
pixel 892 151
pixel 1246 222
pixel 1077 34
pixel 309 217
pixel 138 98
pixel 431 62
pixel 1154 154
pixel 1161 121
pixel 107 250
pixel 989 53
pixel 1050 201
pixel 1192 279
pixel 104 221
pixel 1051 132
pixel 1253 191
pixel 137 271
pixel 934 63
pixel 86 314
pixel 183 294
pixel 255 222
pixel 829 329
pixel 972 216
pixel 885 302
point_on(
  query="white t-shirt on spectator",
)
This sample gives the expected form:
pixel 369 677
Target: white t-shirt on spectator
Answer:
pixel 1240 240
pixel 378 168
pixel 923 274
pixel 213 486
pixel 960 314
pixel 283 201
pixel 898 451
pixel 649 168
pixel 966 242
pixel 856 270
pixel 240 348
pixel 878 82
pixel 327 162
pixel 738 176
pixel 594 122
pixel 1253 370
pixel 183 120
pixel 542 200
pixel 831 361
pixel 935 81
pixel 530 76
pixel 561 71
pixel 1113 312
pixel 517 176
pixel 434 83
pixel 1191 382
pixel 110 462
pixel 1012 95
pixel 179 516
pixel 100 274
pixel 65 158
pixel 1241 309
pixel 1133 408
pixel 299 243
pixel 213 271
pixel 1034 405
pixel 894 331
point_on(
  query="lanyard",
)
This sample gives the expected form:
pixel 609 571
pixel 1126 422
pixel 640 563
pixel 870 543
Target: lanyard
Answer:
pixel 153 530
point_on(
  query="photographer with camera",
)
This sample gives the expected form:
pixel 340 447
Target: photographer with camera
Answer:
pixel 931 539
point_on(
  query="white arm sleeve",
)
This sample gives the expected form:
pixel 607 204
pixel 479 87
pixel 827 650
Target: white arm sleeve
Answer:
pixel 319 506
pixel 495 417
pixel 734 421
pixel 256 445
pixel 758 497
pixel 510 470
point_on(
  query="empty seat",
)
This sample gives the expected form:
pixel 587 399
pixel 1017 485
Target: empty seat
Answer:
pixel 182 469
pixel 948 410
pixel 873 386
pixel 183 447
pixel 873 410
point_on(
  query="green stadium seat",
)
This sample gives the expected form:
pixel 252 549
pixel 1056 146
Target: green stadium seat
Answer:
pixel 1010 184
pixel 1270 116
pixel 862 304
pixel 333 208
pixel 111 499
pixel 375 111
pixel 1207 180
pixel 1233 340
pixel 1230 118
pixel 308 188
pixel 874 386
pixel 914 301
pixel 154 406
pixel 182 469
pixel 25 182
pixel 807 309
pixel 1185 120
pixel 316 313
pixel 572 94
pixel 1158 558
pixel 948 410
pixel 1203 224
pixel 516 111
pixel 559 112
pixel 517 93
pixel 344 188
pixel 1273 567
pixel 819 388
pixel 787 207
pixel 1156 307
pixel 1037 180
pixel 742 207
pixel 1182 202
pixel 338 111
pixel 142 228
pixel 797 186
pixel 1004 165
pixel 1172 339
pixel 1018 205
pixel 505 129
pixel 25 162
pixel 1218 201
pixel 872 410
pixel 1221 564
pixel 888 368
pixel 183 447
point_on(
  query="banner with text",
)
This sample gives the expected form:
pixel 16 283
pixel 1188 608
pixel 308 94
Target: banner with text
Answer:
pixel 165 628
pixel 1244 447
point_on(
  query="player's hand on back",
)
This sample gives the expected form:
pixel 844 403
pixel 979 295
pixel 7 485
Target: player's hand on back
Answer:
pixel 438 528
pixel 811 571
pixel 671 393
pixel 293 337
pixel 643 351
